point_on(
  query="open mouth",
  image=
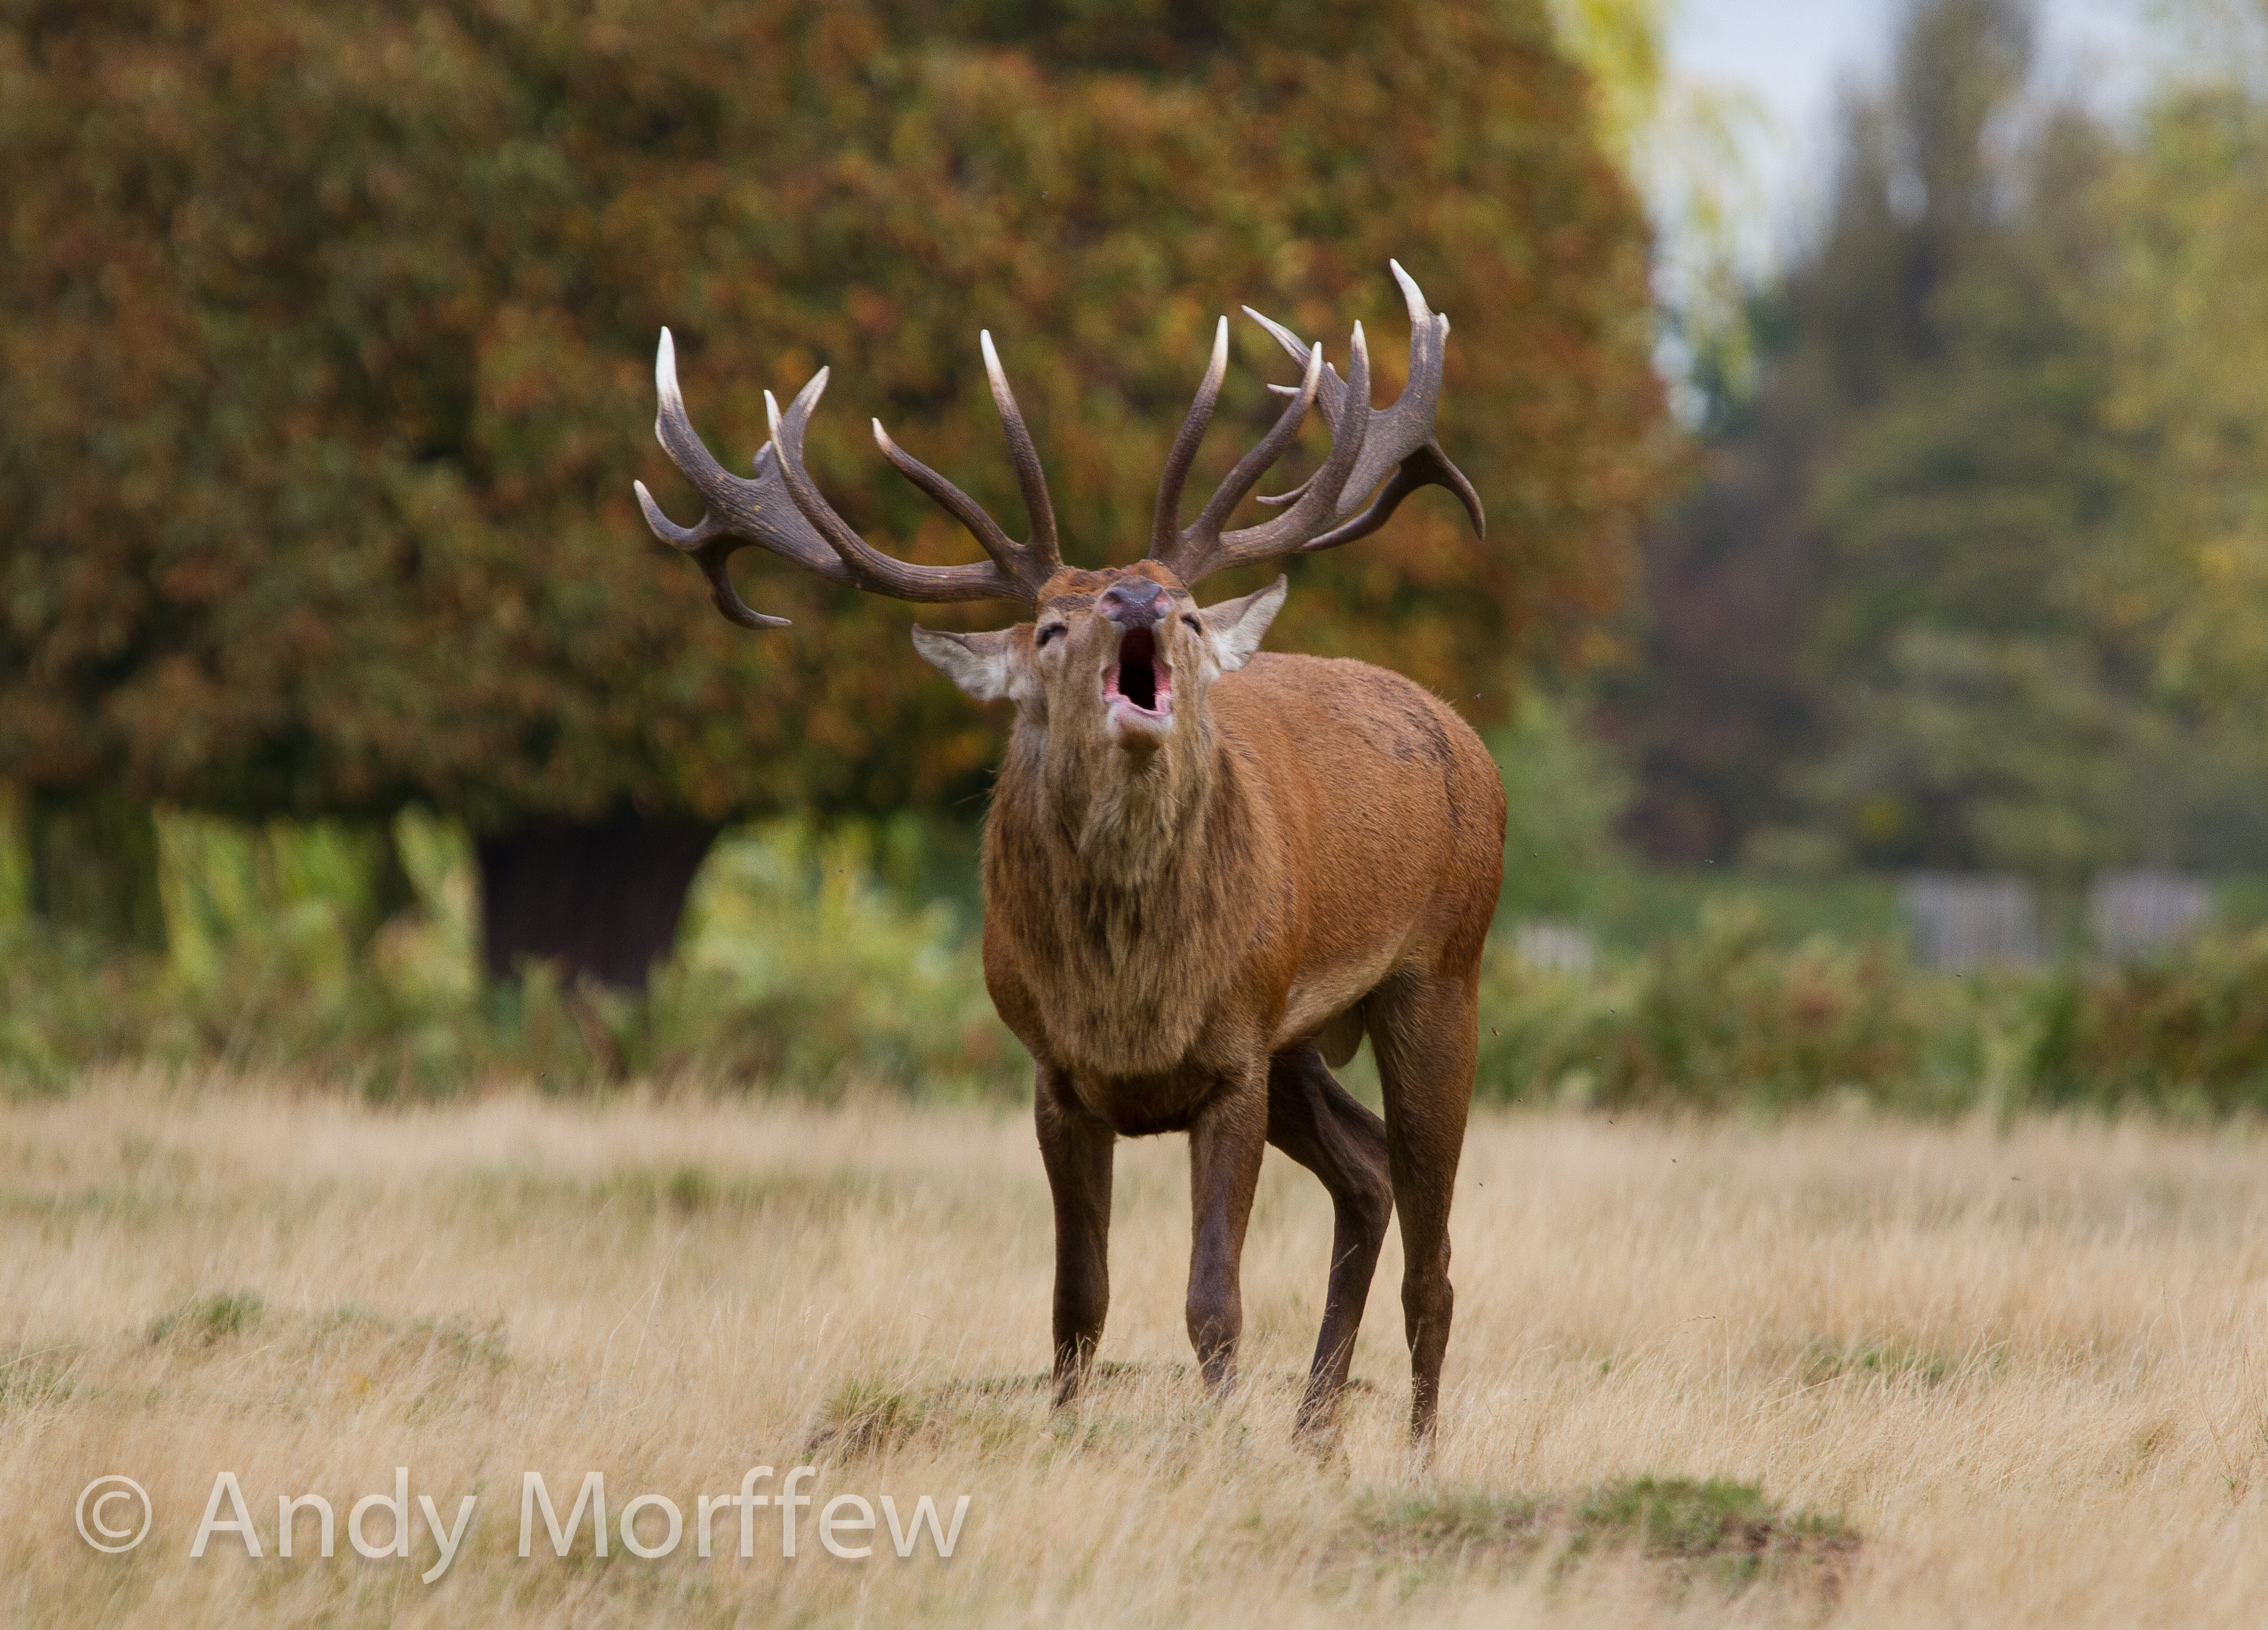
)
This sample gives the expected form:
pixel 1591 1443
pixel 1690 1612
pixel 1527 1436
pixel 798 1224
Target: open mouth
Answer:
pixel 1140 681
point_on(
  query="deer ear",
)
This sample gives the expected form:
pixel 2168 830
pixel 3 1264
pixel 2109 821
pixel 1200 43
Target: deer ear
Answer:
pixel 988 666
pixel 1236 627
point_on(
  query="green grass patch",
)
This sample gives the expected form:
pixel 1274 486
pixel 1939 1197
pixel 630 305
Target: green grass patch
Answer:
pixel 204 1320
pixel 1718 1533
pixel 864 1417
pixel 1890 1362
pixel 1725 1532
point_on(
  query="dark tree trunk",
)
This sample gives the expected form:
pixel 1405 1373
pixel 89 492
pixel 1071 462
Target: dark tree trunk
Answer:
pixel 601 898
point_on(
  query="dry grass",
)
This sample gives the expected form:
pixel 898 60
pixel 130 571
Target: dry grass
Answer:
pixel 2017 1367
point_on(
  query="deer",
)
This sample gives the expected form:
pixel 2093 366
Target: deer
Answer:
pixel 1209 871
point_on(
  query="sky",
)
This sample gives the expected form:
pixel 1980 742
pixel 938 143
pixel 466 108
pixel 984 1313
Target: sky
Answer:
pixel 1790 56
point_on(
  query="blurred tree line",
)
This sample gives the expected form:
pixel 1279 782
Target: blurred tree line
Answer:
pixel 327 335
pixel 1978 572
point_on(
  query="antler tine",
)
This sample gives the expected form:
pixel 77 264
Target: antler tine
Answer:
pixel 1412 416
pixel 1428 467
pixel 1031 479
pixel 1261 459
pixel 1395 446
pixel 1032 563
pixel 740 512
pixel 1407 446
pixel 963 508
pixel 782 511
pixel 871 569
pixel 1318 500
pixel 1167 525
pixel 1202 549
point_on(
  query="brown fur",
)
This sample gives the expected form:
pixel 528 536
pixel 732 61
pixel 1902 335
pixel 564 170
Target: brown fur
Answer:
pixel 1312 851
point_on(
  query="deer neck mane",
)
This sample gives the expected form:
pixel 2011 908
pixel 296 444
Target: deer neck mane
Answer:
pixel 1107 869
pixel 1112 821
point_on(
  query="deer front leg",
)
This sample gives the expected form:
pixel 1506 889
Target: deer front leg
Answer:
pixel 1076 1148
pixel 1227 1141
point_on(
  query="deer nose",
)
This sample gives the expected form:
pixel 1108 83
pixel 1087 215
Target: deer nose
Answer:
pixel 1135 604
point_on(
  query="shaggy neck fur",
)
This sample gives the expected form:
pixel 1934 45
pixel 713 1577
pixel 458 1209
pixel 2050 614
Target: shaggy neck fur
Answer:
pixel 1105 863
pixel 1126 815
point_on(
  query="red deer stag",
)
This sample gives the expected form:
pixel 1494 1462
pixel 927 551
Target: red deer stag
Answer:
pixel 1208 872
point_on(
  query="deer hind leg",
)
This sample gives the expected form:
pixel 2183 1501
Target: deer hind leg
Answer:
pixel 1076 1148
pixel 1323 1127
pixel 1227 1141
pixel 1423 1027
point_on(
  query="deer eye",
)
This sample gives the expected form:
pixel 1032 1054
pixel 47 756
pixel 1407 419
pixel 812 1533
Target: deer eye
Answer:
pixel 1048 633
pixel 1195 626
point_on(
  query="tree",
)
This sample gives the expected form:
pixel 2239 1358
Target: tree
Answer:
pixel 1971 749
pixel 329 335
pixel 2185 317
pixel 1876 624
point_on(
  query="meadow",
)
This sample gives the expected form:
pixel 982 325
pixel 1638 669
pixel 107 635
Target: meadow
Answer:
pixel 1828 1368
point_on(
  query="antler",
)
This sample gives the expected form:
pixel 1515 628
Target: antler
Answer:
pixel 782 511
pixel 1365 446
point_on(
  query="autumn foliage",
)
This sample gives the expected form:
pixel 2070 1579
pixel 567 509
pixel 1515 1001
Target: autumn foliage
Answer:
pixel 329 335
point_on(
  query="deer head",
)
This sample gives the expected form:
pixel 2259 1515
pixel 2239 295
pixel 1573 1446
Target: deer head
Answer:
pixel 1126 654
pixel 1119 659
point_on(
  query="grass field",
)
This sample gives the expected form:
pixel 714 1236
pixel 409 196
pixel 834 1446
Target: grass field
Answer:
pixel 1941 1374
